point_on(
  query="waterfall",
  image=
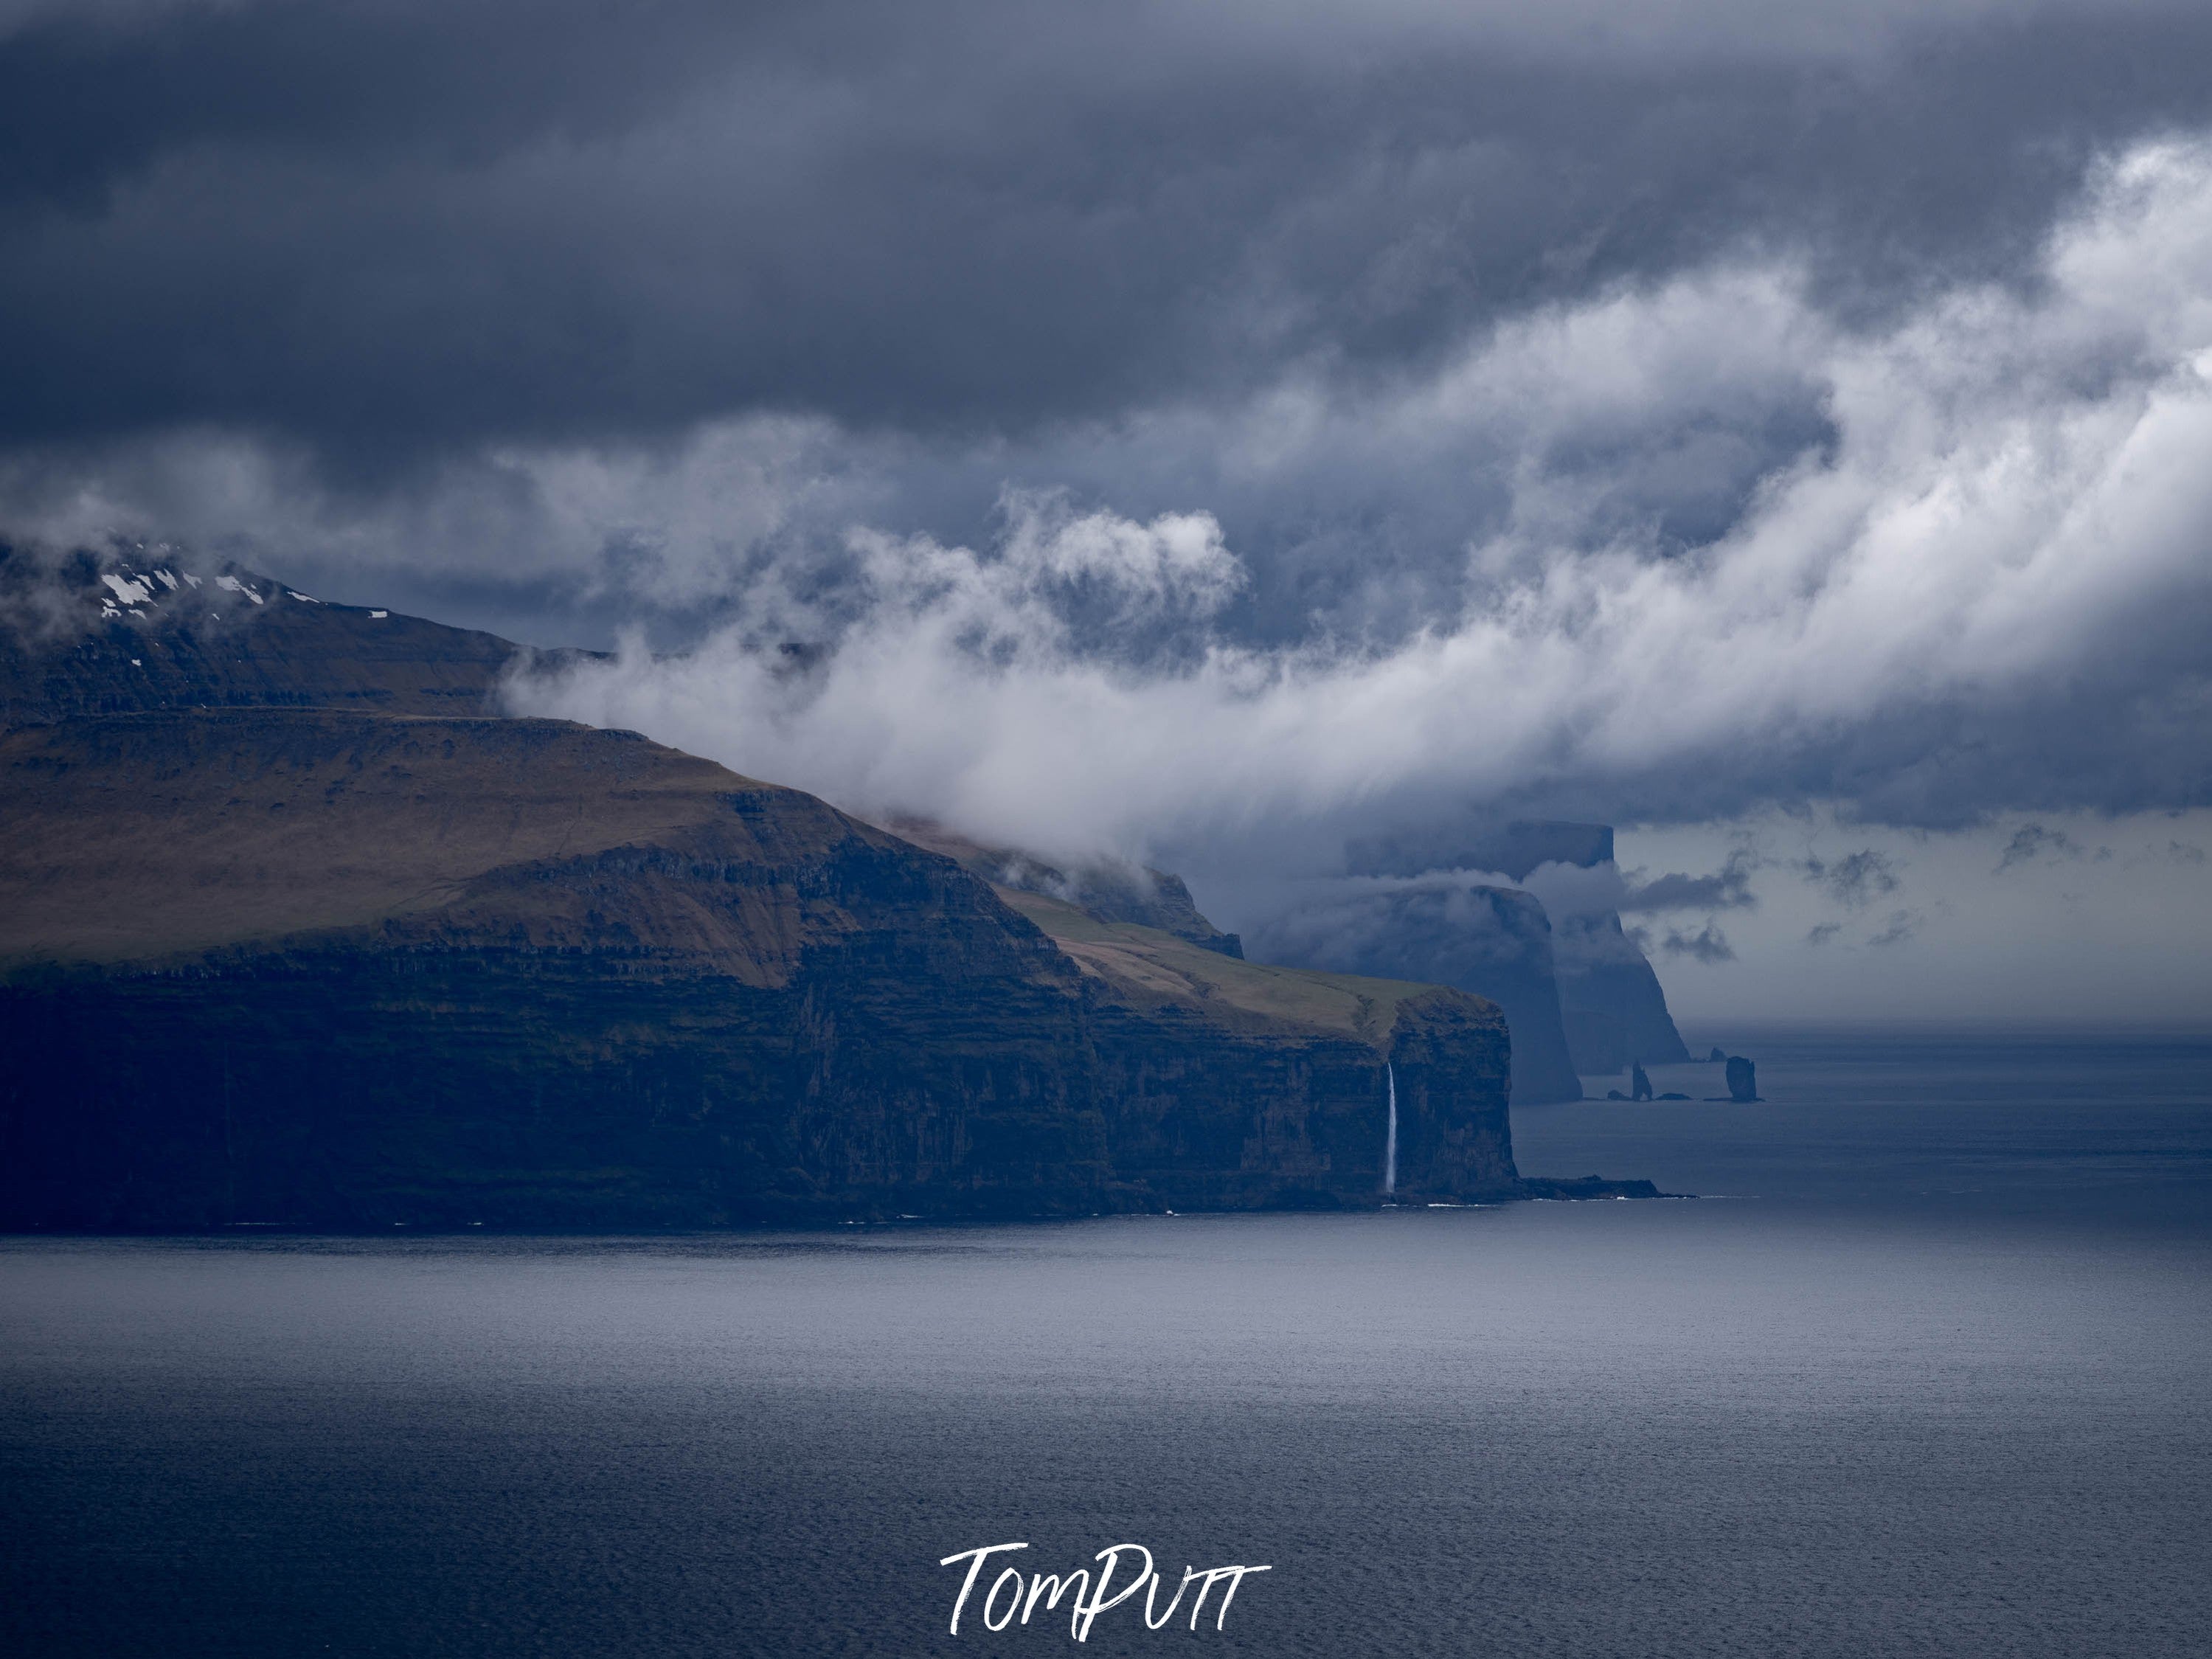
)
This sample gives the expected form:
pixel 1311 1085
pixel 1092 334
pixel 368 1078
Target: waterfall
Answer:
pixel 1390 1144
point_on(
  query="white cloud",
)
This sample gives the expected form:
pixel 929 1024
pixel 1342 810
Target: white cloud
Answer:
pixel 2011 484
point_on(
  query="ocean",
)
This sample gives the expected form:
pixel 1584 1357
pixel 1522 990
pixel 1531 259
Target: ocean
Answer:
pixel 1926 1368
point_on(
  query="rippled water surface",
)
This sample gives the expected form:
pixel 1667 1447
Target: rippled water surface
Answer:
pixel 1925 1371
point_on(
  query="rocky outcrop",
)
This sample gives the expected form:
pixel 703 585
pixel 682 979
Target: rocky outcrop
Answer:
pixel 354 970
pixel 1742 1080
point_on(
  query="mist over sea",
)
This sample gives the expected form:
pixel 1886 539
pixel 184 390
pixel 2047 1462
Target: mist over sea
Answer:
pixel 1923 1371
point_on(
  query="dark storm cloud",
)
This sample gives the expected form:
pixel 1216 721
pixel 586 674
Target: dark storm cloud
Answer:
pixel 1855 880
pixel 381 227
pixel 1728 888
pixel 1180 426
pixel 1900 929
pixel 2032 842
pixel 1708 945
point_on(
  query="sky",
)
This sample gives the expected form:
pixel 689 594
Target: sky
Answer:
pixel 2057 922
pixel 1209 433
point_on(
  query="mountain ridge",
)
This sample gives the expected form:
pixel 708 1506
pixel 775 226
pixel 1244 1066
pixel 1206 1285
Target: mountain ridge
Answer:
pixel 140 629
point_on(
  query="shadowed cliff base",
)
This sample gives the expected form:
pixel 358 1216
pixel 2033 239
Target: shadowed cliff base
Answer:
pixel 349 970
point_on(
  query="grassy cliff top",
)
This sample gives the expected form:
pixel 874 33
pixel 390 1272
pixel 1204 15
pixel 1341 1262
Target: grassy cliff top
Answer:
pixel 153 837
pixel 135 837
pixel 1148 969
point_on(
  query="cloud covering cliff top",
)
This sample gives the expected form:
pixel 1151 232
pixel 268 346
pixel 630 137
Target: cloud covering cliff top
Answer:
pixel 1169 427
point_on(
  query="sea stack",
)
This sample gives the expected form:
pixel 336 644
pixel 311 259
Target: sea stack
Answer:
pixel 1742 1079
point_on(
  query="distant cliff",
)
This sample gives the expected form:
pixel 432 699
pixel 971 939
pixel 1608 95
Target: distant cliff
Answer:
pixel 1494 942
pixel 353 970
pixel 1610 1005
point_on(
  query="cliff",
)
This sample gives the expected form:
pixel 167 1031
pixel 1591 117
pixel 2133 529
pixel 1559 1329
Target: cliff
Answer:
pixel 1610 1006
pixel 1195 1048
pixel 1492 942
pixel 345 970
pixel 1610 1000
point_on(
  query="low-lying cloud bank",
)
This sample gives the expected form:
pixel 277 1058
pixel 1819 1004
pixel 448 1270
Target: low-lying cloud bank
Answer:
pixel 1981 581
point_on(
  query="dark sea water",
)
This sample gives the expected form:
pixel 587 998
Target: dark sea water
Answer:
pixel 1927 1372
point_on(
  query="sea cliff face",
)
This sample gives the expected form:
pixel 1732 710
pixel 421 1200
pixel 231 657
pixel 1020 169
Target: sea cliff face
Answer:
pixel 1230 1084
pixel 341 969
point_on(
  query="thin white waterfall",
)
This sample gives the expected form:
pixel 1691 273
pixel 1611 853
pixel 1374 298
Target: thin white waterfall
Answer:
pixel 1390 1144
